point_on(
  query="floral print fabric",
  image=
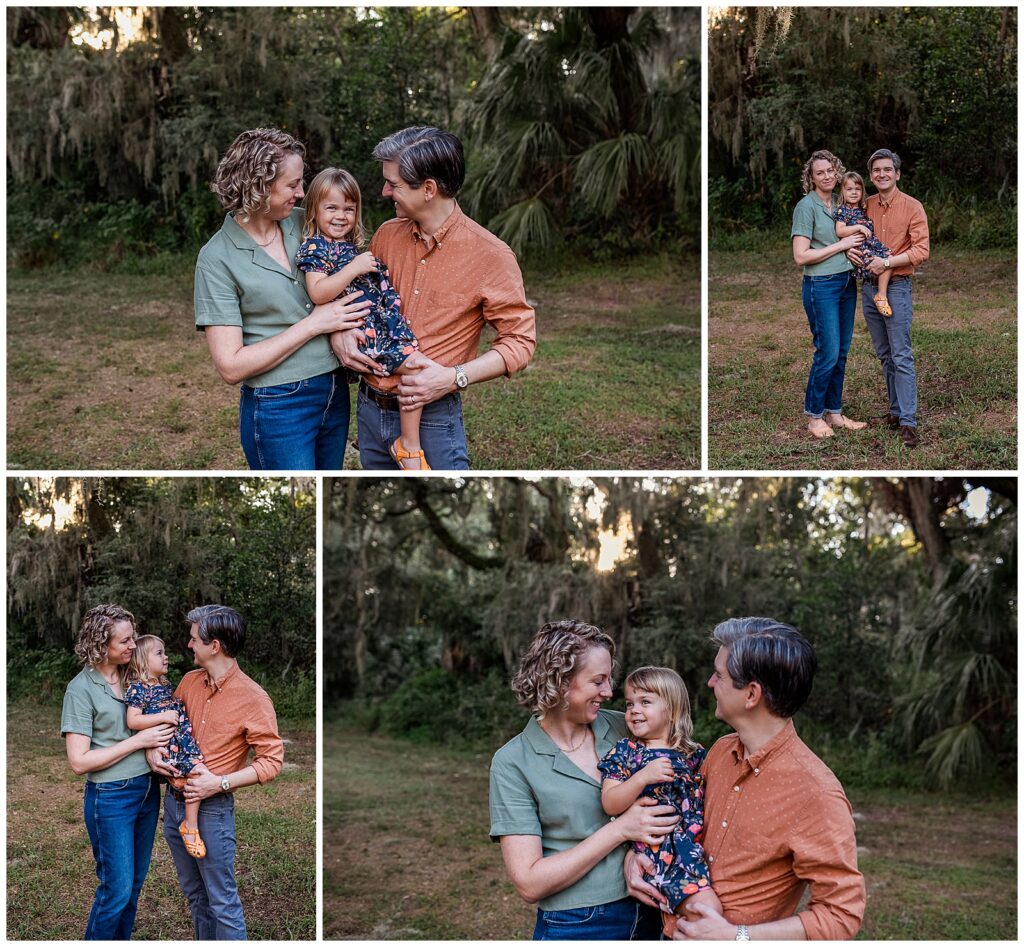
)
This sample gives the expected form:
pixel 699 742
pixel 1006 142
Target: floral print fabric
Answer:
pixel 183 749
pixel 680 866
pixel 872 247
pixel 389 337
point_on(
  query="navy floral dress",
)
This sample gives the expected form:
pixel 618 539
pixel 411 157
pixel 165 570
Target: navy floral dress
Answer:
pixel 389 337
pixel 680 866
pixel 183 750
pixel 872 247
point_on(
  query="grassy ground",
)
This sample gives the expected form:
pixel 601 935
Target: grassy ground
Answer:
pixel 107 371
pixel 406 853
pixel 50 869
pixel 965 349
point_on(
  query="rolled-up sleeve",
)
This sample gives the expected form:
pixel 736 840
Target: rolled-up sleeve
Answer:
pixel 825 856
pixel 513 318
pixel 266 743
pixel 920 242
pixel 512 803
pixel 216 297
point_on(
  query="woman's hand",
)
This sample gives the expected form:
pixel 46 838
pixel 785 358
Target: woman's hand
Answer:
pixel 155 736
pixel 633 869
pixel 157 759
pixel 646 821
pixel 346 348
pixel 658 771
pixel 854 240
pixel 344 313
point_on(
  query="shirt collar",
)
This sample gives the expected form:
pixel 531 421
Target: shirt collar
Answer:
pixel 99 679
pixel 241 238
pixel 221 681
pixel 437 238
pixel 770 749
pixel 543 744
pixel 896 195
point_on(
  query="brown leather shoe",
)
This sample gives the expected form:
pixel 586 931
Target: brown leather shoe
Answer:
pixel 891 421
pixel 908 435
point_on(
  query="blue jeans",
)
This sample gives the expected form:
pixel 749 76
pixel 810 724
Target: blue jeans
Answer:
pixel 299 426
pixel 120 817
pixel 208 883
pixel 891 338
pixel 618 920
pixel 442 434
pixel 831 304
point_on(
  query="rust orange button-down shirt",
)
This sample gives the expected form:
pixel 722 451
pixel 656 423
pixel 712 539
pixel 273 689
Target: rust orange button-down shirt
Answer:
pixel 773 823
pixel 229 717
pixel 902 226
pixel 452 284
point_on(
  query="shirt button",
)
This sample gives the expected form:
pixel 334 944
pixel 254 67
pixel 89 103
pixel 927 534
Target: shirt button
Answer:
pixel 711 859
pixel 309 305
pixel 416 292
pixel 724 823
pixel 423 262
pixel 735 788
pixel 756 771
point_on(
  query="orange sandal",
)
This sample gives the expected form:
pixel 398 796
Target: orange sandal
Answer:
pixel 399 453
pixel 196 849
pixel 882 305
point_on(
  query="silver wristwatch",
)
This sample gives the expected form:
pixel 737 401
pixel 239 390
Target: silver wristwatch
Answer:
pixel 886 263
pixel 225 784
pixel 742 932
pixel 461 378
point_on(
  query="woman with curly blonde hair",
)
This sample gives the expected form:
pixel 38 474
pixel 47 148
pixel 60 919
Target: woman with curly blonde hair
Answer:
pixel 122 796
pixel 560 848
pixel 829 293
pixel 261 327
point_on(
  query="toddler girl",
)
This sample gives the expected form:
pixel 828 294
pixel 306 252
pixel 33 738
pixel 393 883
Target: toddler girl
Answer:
pixel 151 701
pixel 850 216
pixel 331 259
pixel 661 760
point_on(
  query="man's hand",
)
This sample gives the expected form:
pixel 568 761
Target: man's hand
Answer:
pixel 346 348
pixel 855 257
pixel 633 869
pixel 201 784
pixel 876 266
pixel 426 382
pixel 709 925
pixel 157 760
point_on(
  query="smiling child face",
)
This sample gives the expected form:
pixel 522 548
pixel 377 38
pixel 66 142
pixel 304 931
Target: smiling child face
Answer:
pixel 852 193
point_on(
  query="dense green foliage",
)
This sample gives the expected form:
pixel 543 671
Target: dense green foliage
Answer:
pixel 433 588
pixel 109 150
pixel 935 84
pixel 160 547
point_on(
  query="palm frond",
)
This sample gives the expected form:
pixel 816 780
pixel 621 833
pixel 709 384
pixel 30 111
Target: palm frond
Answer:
pixel 527 226
pixel 603 170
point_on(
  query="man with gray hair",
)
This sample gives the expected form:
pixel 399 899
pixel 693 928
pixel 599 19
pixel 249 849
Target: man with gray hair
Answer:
pixel 454 278
pixel 776 820
pixel 231 715
pixel 902 225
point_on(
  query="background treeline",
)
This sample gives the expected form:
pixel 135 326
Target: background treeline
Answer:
pixel 935 84
pixel 582 125
pixel 434 587
pixel 159 547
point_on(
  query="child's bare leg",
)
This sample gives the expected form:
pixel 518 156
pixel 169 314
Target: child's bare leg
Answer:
pixel 882 296
pixel 189 830
pixel 409 422
pixel 192 815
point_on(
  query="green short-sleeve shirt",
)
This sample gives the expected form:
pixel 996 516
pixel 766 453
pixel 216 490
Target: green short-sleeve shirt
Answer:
pixel 811 220
pixel 237 283
pixel 536 790
pixel 90 707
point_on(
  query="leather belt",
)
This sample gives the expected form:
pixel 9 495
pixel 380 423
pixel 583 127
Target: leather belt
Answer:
pixel 379 398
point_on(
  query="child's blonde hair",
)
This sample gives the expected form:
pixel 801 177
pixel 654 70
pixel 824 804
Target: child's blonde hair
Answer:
pixel 853 176
pixel 670 688
pixel 138 666
pixel 317 194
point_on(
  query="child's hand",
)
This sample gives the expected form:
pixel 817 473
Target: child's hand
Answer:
pixel 864 230
pixel 660 771
pixel 364 263
pixel 171 716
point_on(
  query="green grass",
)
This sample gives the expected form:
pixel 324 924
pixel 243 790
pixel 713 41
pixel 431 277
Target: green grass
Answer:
pixel 50 868
pixel 759 352
pixel 106 370
pixel 406 853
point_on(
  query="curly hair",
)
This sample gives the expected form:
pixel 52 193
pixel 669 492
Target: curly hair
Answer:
pixel 837 166
pixel 548 665
pixel 317 193
pixel 669 686
pixel 248 169
pixel 94 635
pixel 853 176
pixel 138 666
